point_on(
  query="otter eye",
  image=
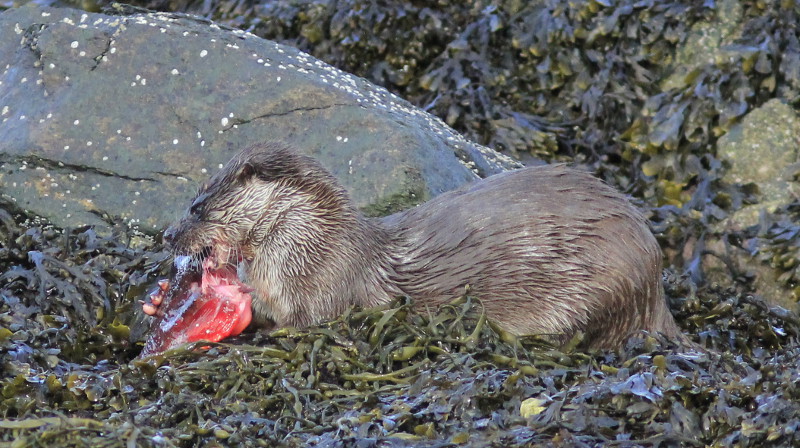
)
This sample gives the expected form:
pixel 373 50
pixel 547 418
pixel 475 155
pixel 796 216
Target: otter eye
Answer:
pixel 197 205
pixel 196 208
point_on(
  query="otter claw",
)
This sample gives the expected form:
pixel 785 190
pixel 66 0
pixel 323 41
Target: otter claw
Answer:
pixel 156 297
pixel 149 309
pixel 163 284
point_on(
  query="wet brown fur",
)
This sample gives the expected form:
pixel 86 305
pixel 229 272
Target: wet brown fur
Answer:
pixel 549 250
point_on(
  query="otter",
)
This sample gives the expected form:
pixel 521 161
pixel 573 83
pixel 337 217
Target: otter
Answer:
pixel 548 250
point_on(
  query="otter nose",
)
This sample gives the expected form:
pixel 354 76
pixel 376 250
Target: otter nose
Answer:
pixel 169 235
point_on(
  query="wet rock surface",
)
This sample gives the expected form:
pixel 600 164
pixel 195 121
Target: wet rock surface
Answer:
pixel 105 116
pixel 763 149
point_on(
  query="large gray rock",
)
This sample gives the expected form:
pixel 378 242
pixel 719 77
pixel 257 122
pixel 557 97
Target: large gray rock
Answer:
pixel 127 115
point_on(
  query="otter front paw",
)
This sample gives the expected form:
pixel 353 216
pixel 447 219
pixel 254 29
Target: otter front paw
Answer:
pixel 156 297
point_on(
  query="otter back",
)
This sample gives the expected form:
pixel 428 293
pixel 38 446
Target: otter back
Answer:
pixel 548 250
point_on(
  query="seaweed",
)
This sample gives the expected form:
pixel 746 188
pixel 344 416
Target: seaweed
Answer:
pixel 775 240
pixel 373 377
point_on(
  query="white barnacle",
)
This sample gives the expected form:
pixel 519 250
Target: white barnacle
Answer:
pixel 203 53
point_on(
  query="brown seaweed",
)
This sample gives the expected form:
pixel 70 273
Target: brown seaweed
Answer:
pixel 392 377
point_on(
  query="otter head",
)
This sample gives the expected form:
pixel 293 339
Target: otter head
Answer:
pixel 259 193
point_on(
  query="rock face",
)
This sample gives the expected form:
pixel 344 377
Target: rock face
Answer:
pixel 763 149
pixel 127 115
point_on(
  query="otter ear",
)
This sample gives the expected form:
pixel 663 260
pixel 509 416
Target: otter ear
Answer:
pixel 246 171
